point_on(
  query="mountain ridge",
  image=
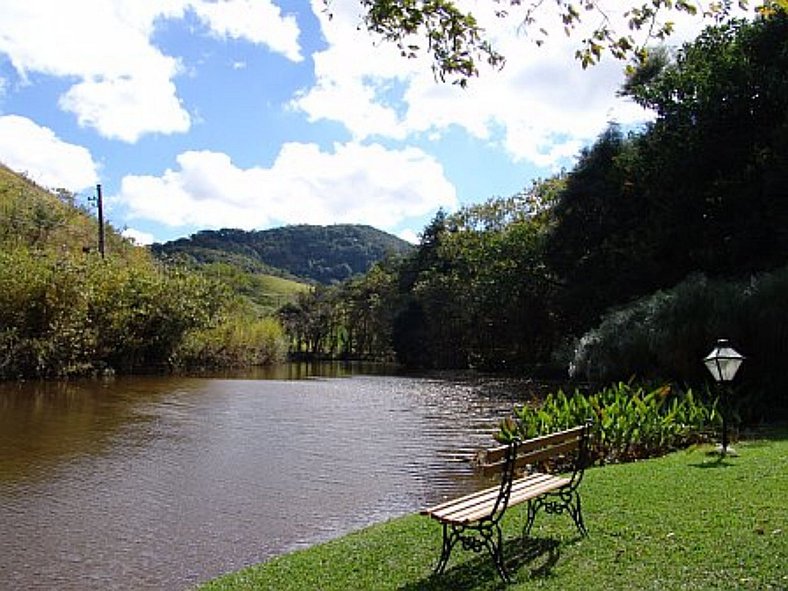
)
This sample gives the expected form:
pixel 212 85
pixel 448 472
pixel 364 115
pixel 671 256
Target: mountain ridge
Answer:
pixel 324 254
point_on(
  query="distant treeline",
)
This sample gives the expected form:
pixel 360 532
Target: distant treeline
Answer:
pixel 633 263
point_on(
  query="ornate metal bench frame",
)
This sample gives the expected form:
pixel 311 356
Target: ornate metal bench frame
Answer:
pixel 474 520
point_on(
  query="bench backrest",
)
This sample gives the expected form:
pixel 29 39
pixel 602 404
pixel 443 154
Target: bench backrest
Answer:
pixel 571 443
pixel 507 459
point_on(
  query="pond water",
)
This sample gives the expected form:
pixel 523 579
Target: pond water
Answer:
pixel 165 482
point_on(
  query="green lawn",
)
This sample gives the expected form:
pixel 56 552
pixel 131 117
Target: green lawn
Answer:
pixel 685 521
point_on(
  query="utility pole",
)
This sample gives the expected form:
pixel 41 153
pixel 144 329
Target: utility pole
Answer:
pixel 100 204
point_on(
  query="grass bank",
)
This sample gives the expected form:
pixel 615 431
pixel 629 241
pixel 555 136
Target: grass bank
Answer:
pixel 685 521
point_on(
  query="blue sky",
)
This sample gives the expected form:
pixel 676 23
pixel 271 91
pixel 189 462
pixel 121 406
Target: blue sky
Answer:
pixel 196 114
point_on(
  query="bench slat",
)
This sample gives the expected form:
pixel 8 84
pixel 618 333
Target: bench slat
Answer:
pixel 496 455
pixel 533 490
pixel 475 506
pixel 473 499
pixel 529 488
pixel 535 456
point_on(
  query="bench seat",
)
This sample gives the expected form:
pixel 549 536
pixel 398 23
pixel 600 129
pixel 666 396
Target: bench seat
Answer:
pixel 481 504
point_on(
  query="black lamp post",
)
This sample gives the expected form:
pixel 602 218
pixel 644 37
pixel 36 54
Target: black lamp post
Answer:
pixel 723 362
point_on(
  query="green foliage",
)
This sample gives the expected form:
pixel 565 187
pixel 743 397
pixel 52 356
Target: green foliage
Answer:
pixel 33 217
pixel 263 292
pixel 597 248
pixel 701 190
pixel 42 314
pixel 312 323
pixel 457 43
pixel 69 315
pixel 511 283
pixel 476 291
pixel 723 130
pixel 143 313
pixel 65 311
pixel 454 37
pixel 66 314
pixel 366 313
pixel 629 422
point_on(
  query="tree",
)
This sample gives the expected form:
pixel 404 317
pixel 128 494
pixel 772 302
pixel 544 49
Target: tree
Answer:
pixel 458 43
pixel 701 190
pixel 476 292
pixel 599 247
pixel 722 130
pixel 368 305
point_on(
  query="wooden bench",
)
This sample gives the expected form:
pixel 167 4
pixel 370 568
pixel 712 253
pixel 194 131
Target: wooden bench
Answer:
pixel 474 519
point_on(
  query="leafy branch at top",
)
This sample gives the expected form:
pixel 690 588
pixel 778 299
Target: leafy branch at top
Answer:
pixel 457 42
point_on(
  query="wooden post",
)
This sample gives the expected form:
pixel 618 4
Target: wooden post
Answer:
pixel 100 203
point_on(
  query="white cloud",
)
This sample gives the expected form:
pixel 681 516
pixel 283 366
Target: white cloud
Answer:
pixel 409 235
pixel 36 151
pixel 258 21
pixel 353 183
pixel 541 108
pixel 127 107
pixel 353 76
pixel 124 85
pixel 138 237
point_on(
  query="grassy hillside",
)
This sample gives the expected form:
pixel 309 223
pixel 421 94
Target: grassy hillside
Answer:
pixel 37 218
pixel 264 291
pixel 33 217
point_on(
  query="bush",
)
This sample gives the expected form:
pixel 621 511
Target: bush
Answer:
pixel 44 319
pixel 67 314
pixel 629 422
pixel 666 335
pixel 234 343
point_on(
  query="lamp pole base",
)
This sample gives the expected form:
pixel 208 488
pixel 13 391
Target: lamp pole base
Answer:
pixel 724 451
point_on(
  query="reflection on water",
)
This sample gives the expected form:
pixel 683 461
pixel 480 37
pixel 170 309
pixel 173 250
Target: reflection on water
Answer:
pixel 162 482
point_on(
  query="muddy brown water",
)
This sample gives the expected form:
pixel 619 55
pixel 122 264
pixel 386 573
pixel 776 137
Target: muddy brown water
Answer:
pixel 166 482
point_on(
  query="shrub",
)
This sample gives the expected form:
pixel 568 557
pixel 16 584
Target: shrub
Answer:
pixel 236 342
pixel 44 317
pixel 629 422
pixel 666 335
pixel 68 314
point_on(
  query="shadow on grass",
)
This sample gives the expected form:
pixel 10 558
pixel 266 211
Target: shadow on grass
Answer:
pixel 718 462
pixel 539 554
pixel 763 434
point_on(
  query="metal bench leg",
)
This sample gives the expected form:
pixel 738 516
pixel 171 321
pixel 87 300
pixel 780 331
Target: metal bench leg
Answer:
pixel 489 536
pixel 569 502
pixel 449 540
pixel 495 547
pixel 533 508
pixel 576 511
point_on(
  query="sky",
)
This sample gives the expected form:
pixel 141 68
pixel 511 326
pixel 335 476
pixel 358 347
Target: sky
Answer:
pixel 253 114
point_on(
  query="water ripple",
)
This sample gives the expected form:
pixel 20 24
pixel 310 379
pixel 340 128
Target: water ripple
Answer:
pixel 160 483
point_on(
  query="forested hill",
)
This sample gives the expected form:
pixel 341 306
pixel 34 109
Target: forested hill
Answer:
pixel 326 254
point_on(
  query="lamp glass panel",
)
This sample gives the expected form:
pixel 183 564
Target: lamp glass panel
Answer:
pixel 714 368
pixel 728 368
pixel 723 362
